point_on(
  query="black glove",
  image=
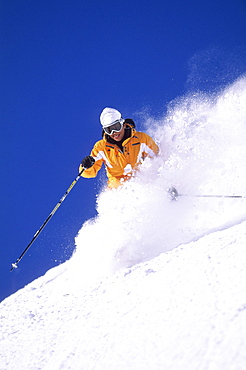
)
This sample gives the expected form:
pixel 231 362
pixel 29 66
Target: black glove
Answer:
pixel 87 162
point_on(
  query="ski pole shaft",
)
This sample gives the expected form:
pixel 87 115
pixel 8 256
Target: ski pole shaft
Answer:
pixel 15 265
pixel 212 196
pixel 173 194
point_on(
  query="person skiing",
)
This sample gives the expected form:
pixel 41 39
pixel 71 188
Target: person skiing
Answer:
pixel 122 149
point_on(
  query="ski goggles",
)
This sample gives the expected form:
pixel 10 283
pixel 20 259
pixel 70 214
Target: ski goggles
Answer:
pixel 115 127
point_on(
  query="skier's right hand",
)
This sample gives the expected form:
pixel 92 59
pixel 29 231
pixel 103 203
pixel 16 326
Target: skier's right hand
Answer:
pixel 87 162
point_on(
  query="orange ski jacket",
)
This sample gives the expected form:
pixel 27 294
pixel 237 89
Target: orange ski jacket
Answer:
pixel 121 165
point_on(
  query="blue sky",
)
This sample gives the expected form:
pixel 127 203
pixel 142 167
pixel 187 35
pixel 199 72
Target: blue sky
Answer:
pixel 62 62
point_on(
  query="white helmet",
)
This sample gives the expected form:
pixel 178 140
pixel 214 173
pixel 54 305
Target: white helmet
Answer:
pixel 109 116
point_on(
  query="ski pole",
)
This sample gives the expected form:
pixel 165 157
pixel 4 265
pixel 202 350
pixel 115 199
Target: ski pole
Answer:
pixel 173 194
pixel 212 196
pixel 14 265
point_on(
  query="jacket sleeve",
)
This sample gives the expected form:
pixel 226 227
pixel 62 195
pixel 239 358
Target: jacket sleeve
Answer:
pixel 148 147
pixel 152 145
pixel 92 171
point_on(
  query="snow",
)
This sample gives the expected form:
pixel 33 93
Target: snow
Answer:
pixel 153 283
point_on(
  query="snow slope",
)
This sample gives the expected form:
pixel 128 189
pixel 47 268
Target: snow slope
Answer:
pixel 185 309
pixel 153 283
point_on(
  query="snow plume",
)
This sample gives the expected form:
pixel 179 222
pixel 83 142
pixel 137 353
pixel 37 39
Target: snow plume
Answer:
pixel 184 309
pixel 203 151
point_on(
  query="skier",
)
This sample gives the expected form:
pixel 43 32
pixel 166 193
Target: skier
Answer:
pixel 121 149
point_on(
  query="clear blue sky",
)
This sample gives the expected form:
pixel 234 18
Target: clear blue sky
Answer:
pixel 61 63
